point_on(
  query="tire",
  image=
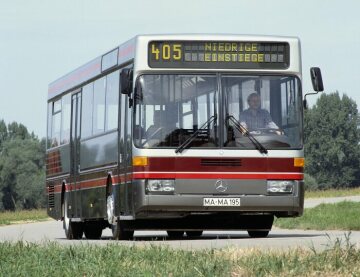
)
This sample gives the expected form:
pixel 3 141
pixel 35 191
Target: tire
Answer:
pixel 93 230
pixel 175 234
pixel 194 234
pixel 117 228
pixel 73 230
pixel 119 233
pixel 258 234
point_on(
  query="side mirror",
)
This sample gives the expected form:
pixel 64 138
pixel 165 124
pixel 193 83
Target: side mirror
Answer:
pixel 316 79
pixel 126 78
pixel 317 83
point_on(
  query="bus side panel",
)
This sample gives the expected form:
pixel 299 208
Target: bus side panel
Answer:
pixel 54 198
pixel 99 152
pixel 58 161
pixel 57 173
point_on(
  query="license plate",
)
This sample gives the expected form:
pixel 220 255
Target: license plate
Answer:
pixel 221 202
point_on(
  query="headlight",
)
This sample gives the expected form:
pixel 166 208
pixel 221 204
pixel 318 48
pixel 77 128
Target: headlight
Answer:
pixel 280 187
pixel 161 186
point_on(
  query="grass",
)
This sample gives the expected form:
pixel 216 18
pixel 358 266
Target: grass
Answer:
pixel 332 193
pixel 340 258
pixel 339 216
pixel 22 216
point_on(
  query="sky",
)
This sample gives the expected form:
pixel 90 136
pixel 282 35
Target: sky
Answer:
pixel 41 40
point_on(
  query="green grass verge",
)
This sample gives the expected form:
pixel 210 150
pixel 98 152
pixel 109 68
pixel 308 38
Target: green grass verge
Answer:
pixel 332 193
pixel 339 216
pixel 7 218
pixel 28 259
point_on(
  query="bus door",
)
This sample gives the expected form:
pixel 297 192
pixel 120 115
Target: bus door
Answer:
pixel 75 154
pixel 125 156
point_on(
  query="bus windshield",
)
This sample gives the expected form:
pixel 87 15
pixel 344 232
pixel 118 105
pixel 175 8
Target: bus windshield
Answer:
pixel 169 109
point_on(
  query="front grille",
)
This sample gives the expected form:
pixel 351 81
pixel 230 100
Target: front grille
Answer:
pixel 51 197
pixel 221 162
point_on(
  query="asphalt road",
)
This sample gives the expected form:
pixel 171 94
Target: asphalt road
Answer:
pixel 43 232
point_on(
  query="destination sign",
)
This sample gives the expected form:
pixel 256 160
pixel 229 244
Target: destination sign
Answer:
pixel 218 54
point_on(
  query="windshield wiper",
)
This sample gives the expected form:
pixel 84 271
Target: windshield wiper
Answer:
pixel 187 142
pixel 245 132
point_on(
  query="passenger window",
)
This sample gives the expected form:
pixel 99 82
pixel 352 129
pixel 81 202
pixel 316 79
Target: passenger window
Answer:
pixel 56 123
pixel 99 106
pixel 112 100
pixel 49 119
pixel 86 116
pixel 66 119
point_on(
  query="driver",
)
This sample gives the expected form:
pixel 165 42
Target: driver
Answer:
pixel 255 117
pixel 153 130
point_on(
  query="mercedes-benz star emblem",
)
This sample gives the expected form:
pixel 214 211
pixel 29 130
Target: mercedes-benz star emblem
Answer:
pixel 220 186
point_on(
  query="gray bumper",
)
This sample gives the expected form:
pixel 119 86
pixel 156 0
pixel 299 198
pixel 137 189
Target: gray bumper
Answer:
pixel 147 206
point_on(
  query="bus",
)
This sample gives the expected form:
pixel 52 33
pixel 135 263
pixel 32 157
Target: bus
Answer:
pixel 182 133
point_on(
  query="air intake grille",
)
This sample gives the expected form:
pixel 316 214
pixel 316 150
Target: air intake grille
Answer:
pixel 221 162
pixel 51 200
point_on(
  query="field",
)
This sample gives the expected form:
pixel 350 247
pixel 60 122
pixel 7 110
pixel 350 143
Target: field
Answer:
pixel 22 216
pixel 340 216
pixel 26 259
pixel 332 193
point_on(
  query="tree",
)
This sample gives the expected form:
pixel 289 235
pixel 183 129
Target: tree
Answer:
pixel 3 132
pixel 22 169
pixel 332 141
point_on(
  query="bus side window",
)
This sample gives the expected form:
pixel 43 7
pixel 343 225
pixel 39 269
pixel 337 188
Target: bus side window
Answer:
pixel 66 119
pixel 86 110
pixel 112 101
pixel 56 123
pixel 99 106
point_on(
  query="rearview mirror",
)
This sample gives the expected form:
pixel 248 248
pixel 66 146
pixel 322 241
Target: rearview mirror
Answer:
pixel 126 78
pixel 316 79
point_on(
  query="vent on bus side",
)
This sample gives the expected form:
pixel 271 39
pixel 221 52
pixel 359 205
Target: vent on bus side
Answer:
pixel 221 162
pixel 51 197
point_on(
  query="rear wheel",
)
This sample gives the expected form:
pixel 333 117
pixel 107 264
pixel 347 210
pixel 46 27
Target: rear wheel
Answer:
pixel 194 234
pixel 93 230
pixel 175 234
pixel 73 230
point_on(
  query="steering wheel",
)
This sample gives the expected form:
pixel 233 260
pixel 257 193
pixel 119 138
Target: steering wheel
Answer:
pixel 259 131
pixel 152 135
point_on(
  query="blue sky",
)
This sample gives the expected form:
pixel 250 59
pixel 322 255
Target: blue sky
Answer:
pixel 43 40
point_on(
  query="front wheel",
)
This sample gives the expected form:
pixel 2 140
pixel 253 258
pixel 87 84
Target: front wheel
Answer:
pixel 118 232
pixel 73 230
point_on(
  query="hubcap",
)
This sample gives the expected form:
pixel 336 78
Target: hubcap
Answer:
pixel 110 209
pixel 66 218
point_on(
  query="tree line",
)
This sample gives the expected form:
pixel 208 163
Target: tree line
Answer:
pixel 331 139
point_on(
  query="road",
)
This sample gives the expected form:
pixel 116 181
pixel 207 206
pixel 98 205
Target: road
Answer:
pixel 42 232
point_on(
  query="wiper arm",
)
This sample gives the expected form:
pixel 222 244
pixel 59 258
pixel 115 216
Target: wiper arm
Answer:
pixel 245 132
pixel 187 142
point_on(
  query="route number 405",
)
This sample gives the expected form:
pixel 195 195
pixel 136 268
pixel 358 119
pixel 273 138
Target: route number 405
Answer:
pixel 167 51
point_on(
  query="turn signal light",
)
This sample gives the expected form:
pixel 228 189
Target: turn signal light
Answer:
pixel 299 162
pixel 140 161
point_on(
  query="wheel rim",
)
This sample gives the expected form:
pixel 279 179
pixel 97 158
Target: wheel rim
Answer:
pixel 110 209
pixel 66 218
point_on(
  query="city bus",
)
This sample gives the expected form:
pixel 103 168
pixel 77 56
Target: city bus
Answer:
pixel 182 133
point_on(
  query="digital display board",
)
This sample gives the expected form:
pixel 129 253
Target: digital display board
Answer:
pixel 219 54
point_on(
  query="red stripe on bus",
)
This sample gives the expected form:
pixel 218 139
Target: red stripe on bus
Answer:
pixel 213 164
pixel 178 175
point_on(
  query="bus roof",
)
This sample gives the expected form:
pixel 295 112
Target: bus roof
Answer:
pixel 126 52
